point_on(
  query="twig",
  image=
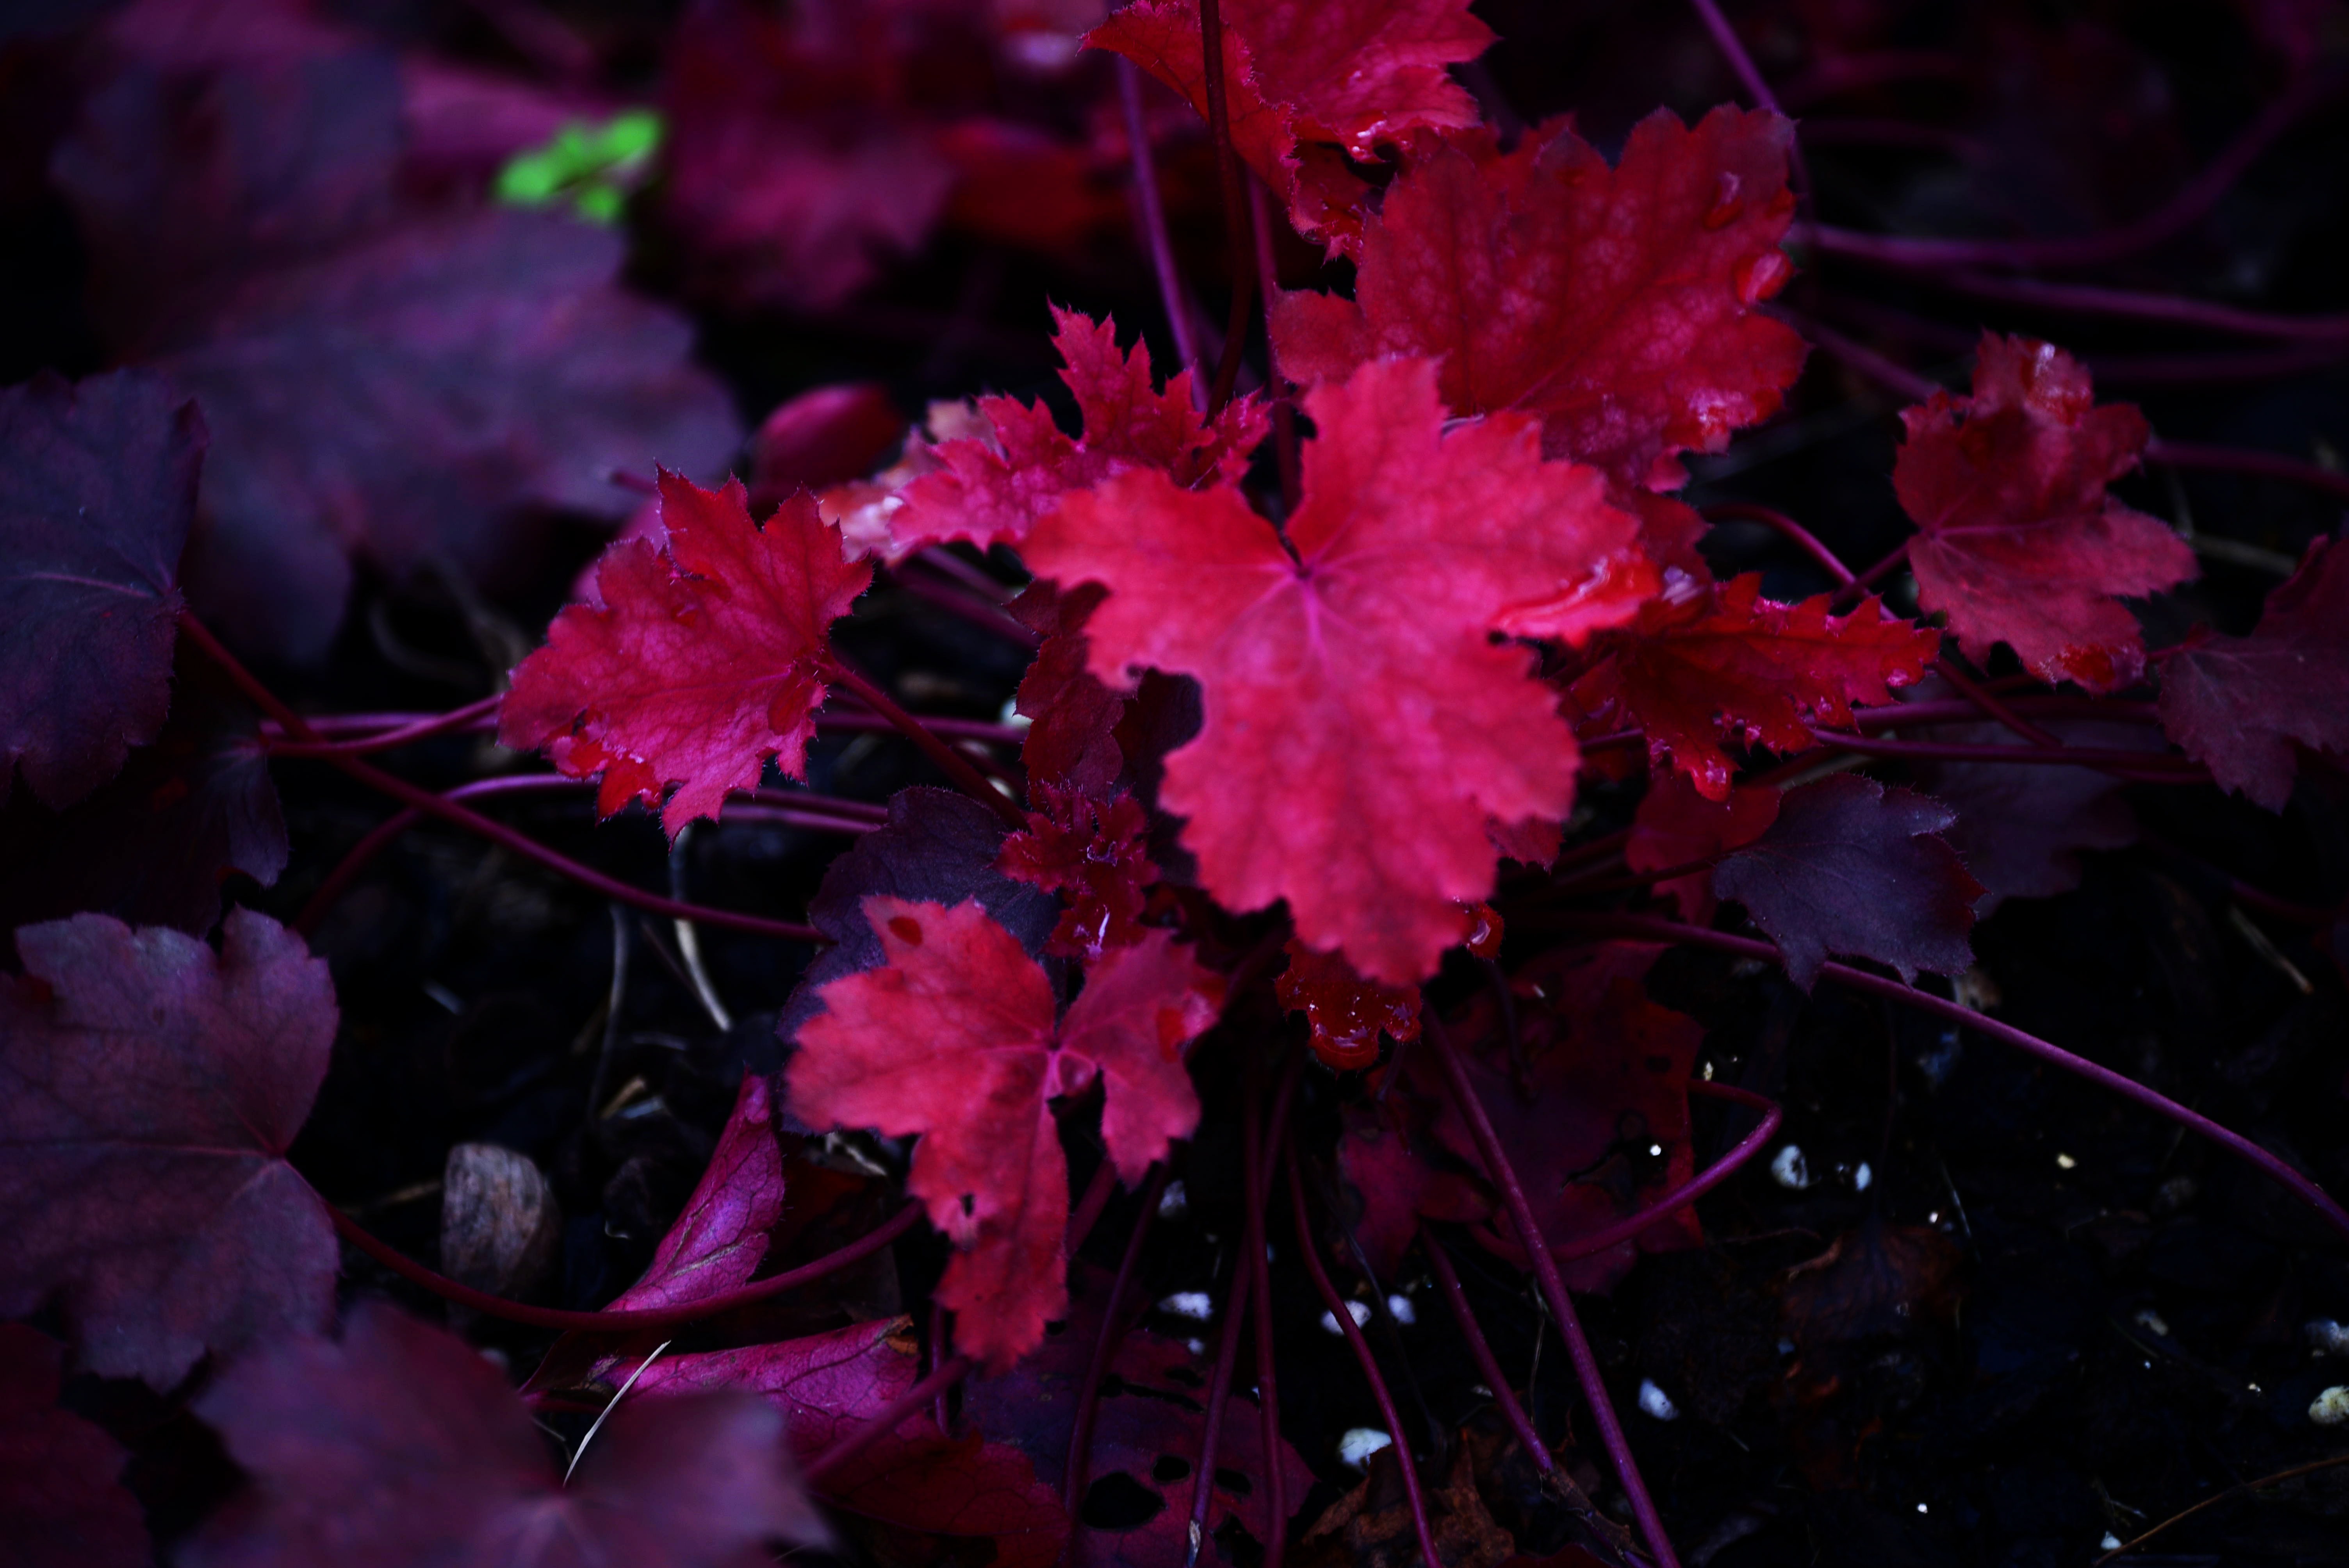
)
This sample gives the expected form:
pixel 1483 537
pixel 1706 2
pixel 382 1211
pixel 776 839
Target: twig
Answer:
pixel 951 762
pixel 1236 217
pixel 1155 240
pixel 2240 1489
pixel 1112 1329
pixel 1480 1349
pixel 1786 527
pixel 1630 1225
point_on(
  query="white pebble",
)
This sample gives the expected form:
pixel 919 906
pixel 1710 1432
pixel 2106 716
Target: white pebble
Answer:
pixel 1656 1402
pixel 2111 1543
pixel 1790 1169
pixel 2326 1337
pixel 2332 1407
pixel 1195 1305
pixel 1404 1313
pixel 2151 1322
pixel 1359 1443
pixel 1863 1178
pixel 1359 1311
pixel 1174 1202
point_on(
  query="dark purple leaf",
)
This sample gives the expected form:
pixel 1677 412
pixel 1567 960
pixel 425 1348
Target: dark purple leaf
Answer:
pixel 400 1446
pixel 153 847
pixel 2021 826
pixel 149 1090
pixel 1851 867
pixel 60 1498
pixel 2240 705
pixel 393 385
pixel 97 486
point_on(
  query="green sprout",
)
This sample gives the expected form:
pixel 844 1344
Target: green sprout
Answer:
pixel 590 168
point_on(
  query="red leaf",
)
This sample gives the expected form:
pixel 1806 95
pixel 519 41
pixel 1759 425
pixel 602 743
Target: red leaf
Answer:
pixel 994 489
pixel 1071 736
pixel 1338 78
pixel 1361 726
pixel 1093 852
pixel 704 660
pixel 59 1490
pixel 401 1445
pixel 96 492
pixel 1344 1013
pixel 1383 1154
pixel 956 1040
pixel 1599 1124
pixel 1723 662
pixel 829 1384
pixel 1617 304
pixel 1675 826
pixel 2240 705
pixel 149 1090
pixel 824 437
pixel 1148 1412
pixel 2018 542
pixel 1852 867
pixel 403 387
pixel 720 1240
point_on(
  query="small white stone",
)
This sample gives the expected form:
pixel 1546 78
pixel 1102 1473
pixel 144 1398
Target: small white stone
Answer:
pixel 2111 1543
pixel 1404 1313
pixel 1863 1178
pixel 1655 1151
pixel 2332 1407
pixel 1656 1402
pixel 1174 1202
pixel 1196 1346
pixel 1359 1443
pixel 2065 1163
pixel 1195 1305
pixel 2151 1322
pixel 1920 1508
pixel 1790 1169
pixel 1359 1311
pixel 2326 1337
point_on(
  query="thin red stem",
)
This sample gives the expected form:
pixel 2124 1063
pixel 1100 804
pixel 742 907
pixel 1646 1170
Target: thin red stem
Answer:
pixel 1749 76
pixel 1155 238
pixel 2089 299
pixel 1480 1350
pixel 1904 714
pixel 1689 1192
pixel 1112 1329
pixel 1651 929
pixel 1553 1288
pixel 1237 1302
pixel 949 1373
pixel 1786 527
pixel 2172 768
pixel 1865 584
pixel 1336 1305
pixel 1236 217
pixel 1088 1211
pixel 1990 703
pixel 2243 460
pixel 1268 1384
pixel 623 1322
pixel 465 717
pixel 1284 414
pixel 951 762
pixel 497 833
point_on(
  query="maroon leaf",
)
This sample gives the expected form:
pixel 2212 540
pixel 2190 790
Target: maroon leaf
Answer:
pixel 1676 826
pixel 1149 1412
pixel 718 1243
pixel 1073 733
pixel 97 483
pixel 2021 826
pixel 401 1445
pixel 827 1386
pixel 2239 705
pixel 149 1090
pixel 1384 1157
pixel 397 386
pixel 1854 868
pixel 1598 1126
pixel 153 847
pixel 59 1493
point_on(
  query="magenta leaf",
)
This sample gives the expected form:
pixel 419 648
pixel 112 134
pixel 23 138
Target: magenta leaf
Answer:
pixel 2240 705
pixel 60 1493
pixel 97 483
pixel 149 1090
pixel 1854 868
pixel 718 1243
pixel 828 1385
pixel 400 1445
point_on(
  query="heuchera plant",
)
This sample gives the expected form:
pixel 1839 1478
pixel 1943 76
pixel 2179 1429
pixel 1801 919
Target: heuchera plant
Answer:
pixel 1321 672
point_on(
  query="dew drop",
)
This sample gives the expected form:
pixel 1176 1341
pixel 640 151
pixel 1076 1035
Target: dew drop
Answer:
pixel 907 929
pixel 1761 276
pixel 1728 206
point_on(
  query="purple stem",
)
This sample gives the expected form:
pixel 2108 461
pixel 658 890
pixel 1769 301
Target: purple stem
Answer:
pixel 1112 1329
pixel 1749 76
pixel 2181 213
pixel 1652 929
pixel 1480 1350
pixel 1989 702
pixel 1237 1305
pixel 1553 1289
pixel 1697 1186
pixel 1257 1173
pixel 2238 460
pixel 464 717
pixel 1154 229
pixel 1088 1211
pixel 2172 769
pixel 623 1321
pixel 1902 715
pixel 951 762
pixel 1284 414
pixel 2088 299
pixel 934 1387
pixel 1360 1346
pixel 986 615
pixel 1235 218
pixel 1802 538
pixel 1884 372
